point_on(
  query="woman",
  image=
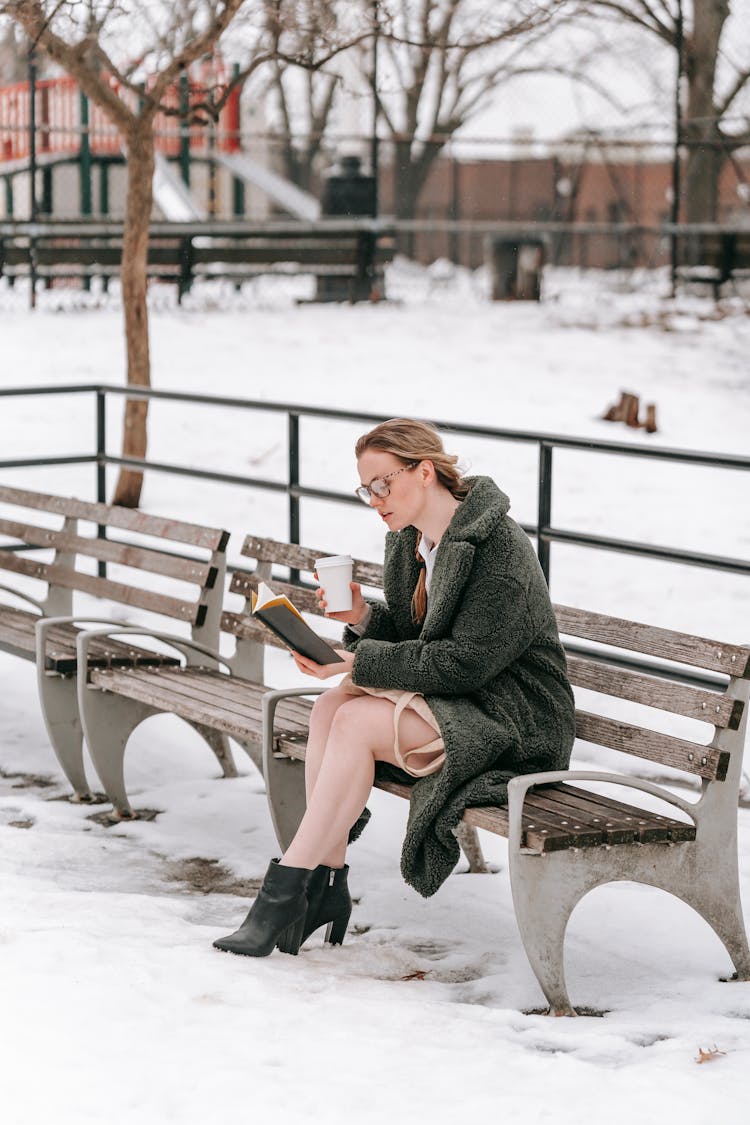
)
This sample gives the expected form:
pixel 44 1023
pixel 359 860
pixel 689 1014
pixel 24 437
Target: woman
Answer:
pixel 458 681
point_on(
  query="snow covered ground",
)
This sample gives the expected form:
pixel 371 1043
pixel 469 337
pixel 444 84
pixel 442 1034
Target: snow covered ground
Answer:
pixel 114 1004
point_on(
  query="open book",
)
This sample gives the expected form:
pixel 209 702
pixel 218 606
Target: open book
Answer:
pixel 279 615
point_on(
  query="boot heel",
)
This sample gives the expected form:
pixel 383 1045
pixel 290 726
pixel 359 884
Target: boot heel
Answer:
pixel 291 938
pixel 336 930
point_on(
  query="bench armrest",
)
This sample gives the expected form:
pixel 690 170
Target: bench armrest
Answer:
pixel 43 627
pixel 519 786
pixel 22 597
pixel 183 644
pixel 269 702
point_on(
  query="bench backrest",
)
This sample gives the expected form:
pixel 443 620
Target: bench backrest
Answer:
pixel 191 558
pixel 724 711
pixel 344 247
pixel 250 634
pixel 665 689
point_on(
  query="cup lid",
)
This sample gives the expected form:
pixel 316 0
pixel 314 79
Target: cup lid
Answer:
pixel 333 560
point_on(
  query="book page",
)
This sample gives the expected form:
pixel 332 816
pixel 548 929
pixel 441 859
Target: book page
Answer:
pixel 265 598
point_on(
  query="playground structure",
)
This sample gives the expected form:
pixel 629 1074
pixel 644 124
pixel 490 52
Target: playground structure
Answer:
pixel 594 203
pixel 59 129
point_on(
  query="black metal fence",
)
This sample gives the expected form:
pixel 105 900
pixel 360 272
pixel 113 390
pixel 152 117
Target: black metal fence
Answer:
pixel 543 530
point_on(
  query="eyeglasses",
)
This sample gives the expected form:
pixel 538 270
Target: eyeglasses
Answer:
pixel 379 487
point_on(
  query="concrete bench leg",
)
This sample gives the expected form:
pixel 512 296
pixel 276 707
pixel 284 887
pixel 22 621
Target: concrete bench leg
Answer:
pixel 108 721
pixel 285 790
pixel 709 883
pixel 59 702
pixel 219 744
pixel 726 920
pixel 547 888
pixel 544 897
pixel 254 751
pixel 284 777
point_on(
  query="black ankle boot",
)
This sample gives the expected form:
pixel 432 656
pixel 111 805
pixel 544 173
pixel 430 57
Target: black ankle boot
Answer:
pixel 277 917
pixel 330 903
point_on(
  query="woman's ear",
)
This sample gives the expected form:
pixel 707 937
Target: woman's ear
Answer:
pixel 426 472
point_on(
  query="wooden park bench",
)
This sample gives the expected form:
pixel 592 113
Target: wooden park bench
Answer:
pixel 564 838
pixel 346 257
pixel 715 258
pixel 165 567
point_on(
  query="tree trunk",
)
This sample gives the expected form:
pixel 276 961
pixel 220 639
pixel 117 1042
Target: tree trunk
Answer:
pixel 140 157
pixel 702 132
pixel 411 173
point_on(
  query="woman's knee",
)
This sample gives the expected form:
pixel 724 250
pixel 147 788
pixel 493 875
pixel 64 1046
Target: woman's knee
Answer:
pixel 326 706
pixel 356 724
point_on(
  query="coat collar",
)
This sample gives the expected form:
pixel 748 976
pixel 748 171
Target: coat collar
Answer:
pixel 473 522
pixel 479 513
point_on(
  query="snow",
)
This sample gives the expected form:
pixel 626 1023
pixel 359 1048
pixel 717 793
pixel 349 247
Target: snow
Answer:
pixel 114 1002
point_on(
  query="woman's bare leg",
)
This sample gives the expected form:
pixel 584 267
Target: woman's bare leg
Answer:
pixel 321 717
pixel 361 734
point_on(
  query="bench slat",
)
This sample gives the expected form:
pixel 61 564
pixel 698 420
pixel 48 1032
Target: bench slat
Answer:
pixel 704 761
pixel 302 558
pixel 549 829
pixel 649 823
pixel 621 822
pixel 247 629
pixel 183 693
pixel 147 688
pixel 303 600
pixel 540 837
pixel 227 693
pixel 15 634
pixel 104 588
pixel 111 550
pixel 652 691
pixel 214 539
pixel 613 830
pixel 19 631
pixel 300 253
pixel 699 652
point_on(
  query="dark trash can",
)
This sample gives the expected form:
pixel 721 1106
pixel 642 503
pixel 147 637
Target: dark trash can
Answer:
pixel 349 193
pixel 515 267
pixel 347 190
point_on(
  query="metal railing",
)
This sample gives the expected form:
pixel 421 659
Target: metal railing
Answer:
pixel 543 530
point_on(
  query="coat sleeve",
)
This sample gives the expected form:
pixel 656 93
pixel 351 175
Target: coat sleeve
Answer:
pixel 492 628
pixel 380 627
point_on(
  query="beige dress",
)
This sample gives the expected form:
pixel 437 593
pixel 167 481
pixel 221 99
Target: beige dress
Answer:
pixel 423 759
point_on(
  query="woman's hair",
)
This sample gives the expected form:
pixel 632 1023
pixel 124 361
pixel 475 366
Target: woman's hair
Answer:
pixel 416 441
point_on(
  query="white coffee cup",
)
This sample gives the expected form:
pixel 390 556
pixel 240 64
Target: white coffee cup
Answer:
pixel 334 575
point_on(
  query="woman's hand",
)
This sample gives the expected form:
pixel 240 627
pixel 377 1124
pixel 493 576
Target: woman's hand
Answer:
pixel 349 616
pixel 325 671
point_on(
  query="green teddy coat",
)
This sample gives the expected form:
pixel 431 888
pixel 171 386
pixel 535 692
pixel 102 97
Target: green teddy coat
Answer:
pixel 487 658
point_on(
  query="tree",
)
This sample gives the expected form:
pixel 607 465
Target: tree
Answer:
pixel 86 39
pixel 127 56
pixel 302 97
pixel 441 62
pixel 13 64
pixel 705 38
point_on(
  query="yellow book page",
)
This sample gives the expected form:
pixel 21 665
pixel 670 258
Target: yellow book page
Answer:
pixel 268 599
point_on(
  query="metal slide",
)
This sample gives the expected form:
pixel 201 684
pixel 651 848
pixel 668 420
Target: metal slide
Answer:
pixel 173 195
pixel 298 203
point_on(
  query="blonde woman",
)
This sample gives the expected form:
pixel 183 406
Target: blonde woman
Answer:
pixel 457 682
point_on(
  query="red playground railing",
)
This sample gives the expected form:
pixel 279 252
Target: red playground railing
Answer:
pixel 60 114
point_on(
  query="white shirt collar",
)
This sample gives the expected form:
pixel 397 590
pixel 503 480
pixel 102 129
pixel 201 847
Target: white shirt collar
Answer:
pixel 428 551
